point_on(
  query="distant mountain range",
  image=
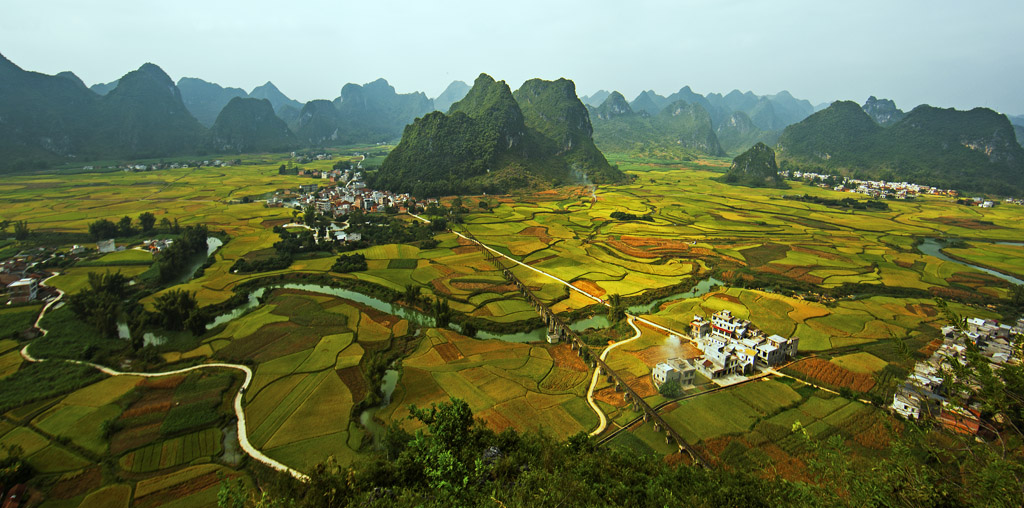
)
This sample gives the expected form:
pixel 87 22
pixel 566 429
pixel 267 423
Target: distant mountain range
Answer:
pixel 53 119
pixel 675 131
pixel 974 150
pixel 495 141
pixel 737 121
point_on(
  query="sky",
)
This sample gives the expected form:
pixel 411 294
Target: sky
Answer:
pixel 940 52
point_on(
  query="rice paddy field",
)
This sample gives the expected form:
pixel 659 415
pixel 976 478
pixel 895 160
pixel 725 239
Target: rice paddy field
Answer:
pixel 782 264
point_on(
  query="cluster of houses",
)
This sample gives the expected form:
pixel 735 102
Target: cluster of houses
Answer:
pixel 730 346
pixel 171 165
pixel 923 394
pixel 879 189
pixel 350 193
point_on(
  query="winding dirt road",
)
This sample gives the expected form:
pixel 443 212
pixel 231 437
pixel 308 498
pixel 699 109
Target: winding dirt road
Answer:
pixel 593 382
pixel 243 436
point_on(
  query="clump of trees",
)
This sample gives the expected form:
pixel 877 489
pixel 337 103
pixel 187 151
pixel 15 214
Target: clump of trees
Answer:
pixel 843 204
pixel 173 260
pixel 629 216
pixel 349 263
pixel 103 229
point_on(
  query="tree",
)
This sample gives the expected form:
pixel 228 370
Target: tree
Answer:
pixel 670 389
pixel 176 308
pixel 4 224
pixel 449 422
pixel 21 230
pixel 616 311
pixel 124 226
pixel 102 229
pixel 165 225
pixel 146 221
pixel 412 293
pixel 309 216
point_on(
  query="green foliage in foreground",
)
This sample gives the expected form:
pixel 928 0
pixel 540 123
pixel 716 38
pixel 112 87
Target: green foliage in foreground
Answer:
pixel 462 463
pixel 37 381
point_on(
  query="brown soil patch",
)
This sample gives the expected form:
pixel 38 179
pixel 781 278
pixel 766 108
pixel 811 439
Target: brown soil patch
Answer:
pixel 922 309
pixel 565 357
pixel 152 401
pixel 134 437
pixel 726 297
pixel 449 353
pixel 162 383
pixel 483 286
pixel 930 348
pixel 538 231
pixel 817 370
pixel 818 253
pixel 643 386
pixel 965 223
pixel 677 459
pixel 271 223
pixel 73 487
pixel 495 420
pixel 465 249
pixel 355 381
pixel 589 287
pixel 609 396
pixel 181 490
pixel 655 355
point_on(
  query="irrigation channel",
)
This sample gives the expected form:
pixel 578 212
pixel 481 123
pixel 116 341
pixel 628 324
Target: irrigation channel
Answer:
pixel 933 247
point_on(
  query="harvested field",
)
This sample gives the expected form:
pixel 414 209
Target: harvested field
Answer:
pixel 831 375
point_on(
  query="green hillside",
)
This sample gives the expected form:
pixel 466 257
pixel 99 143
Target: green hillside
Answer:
pixel 250 125
pixel 489 143
pixel 755 168
pixel 679 131
pixel 972 150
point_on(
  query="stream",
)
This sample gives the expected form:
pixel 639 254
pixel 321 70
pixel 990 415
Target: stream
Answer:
pixel 387 386
pixel 700 289
pixel 933 247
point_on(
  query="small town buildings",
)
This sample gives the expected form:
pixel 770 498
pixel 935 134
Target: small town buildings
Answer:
pixel 105 246
pixel 674 369
pixel 733 346
pixel 23 290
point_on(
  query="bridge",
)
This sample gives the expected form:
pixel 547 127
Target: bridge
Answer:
pixel 559 330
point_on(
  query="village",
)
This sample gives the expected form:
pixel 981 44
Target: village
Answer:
pixel 926 393
pixel 731 348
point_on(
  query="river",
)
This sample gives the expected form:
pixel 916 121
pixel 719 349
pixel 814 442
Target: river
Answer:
pixel 536 335
pixel 700 289
pixel 933 247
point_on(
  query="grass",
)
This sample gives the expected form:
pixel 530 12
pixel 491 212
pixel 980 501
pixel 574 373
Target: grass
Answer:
pixel 17 319
pixel 38 381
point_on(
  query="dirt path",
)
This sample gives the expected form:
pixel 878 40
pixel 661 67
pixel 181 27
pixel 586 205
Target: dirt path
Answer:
pixel 593 382
pixel 243 436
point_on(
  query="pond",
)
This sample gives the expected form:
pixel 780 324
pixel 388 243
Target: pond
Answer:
pixel 700 289
pixel 933 247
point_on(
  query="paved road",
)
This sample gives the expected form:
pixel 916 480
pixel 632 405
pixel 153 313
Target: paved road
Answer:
pixel 593 382
pixel 243 436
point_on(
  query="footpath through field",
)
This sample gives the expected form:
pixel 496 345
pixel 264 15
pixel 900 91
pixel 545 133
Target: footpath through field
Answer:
pixel 243 436
pixel 597 375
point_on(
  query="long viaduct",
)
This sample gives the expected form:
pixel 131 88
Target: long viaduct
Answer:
pixel 560 330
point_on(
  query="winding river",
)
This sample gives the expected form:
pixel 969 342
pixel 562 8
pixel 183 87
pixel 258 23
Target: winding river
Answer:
pixel 933 247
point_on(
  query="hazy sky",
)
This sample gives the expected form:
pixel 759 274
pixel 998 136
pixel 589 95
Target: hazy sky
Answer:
pixel 941 52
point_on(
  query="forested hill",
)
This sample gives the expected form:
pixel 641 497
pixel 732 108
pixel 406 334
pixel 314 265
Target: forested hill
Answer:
pixel 677 131
pixel 974 150
pixel 247 125
pixel 494 141
pixel 47 119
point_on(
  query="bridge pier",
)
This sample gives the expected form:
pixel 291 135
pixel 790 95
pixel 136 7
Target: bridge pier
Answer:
pixel 618 386
pixel 657 427
pixel 647 417
pixel 668 438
